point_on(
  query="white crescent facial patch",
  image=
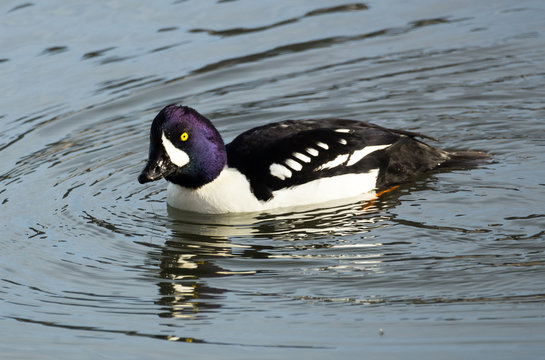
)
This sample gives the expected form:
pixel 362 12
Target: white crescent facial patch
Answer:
pixel 177 156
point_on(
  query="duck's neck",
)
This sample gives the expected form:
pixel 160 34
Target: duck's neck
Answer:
pixel 203 169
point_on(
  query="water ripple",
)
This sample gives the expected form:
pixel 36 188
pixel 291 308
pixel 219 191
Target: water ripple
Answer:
pixel 91 256
pixel 323 11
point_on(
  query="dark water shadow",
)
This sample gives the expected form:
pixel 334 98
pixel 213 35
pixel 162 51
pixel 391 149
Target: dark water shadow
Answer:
pixel 321 43
pixel 243 30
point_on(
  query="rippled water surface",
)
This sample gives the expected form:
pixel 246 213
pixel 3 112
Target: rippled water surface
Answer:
pixel 94 265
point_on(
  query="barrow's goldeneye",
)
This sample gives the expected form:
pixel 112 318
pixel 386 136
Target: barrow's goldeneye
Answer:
pixel 282 164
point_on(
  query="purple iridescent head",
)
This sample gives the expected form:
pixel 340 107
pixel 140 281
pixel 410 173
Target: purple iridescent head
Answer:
pixel 185 148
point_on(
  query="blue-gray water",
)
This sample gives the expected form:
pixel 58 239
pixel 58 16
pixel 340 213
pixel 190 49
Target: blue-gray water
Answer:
pixel 94 265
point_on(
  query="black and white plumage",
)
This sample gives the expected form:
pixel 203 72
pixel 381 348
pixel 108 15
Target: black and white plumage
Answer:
pixel 283 164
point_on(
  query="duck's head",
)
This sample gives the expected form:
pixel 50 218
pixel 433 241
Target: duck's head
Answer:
pixel 185 148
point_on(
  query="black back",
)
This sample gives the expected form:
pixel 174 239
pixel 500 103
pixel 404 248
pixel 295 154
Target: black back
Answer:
pixel 253 152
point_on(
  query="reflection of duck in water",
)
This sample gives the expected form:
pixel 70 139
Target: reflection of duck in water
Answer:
pixel 284 164
pixel 297 224
pixel 193 259
pixel 184 267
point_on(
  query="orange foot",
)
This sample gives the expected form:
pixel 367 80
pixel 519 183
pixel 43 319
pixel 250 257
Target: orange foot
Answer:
pixel 370 203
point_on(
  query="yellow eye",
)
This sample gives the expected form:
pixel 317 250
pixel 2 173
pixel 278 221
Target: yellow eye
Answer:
pixel 184 136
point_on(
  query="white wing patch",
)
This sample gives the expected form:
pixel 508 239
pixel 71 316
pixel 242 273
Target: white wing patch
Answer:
pixel 360 154
pixel 323 145
pixel 352 158
pixel 177 156
pixel 312 151
pixel 346 131
pixel 301 157
pixel 339 160
pixel 294 165
pixel 280 171
pixel 343 141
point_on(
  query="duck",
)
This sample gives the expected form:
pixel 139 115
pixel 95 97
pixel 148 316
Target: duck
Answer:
pixel 291 163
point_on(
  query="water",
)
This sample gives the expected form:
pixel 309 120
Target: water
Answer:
pixel 94 265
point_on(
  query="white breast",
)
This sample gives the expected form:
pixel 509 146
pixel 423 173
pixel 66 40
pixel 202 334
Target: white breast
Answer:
pixel 230 193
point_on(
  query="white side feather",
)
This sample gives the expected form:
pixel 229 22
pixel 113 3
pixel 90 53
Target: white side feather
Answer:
pixel 230 192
